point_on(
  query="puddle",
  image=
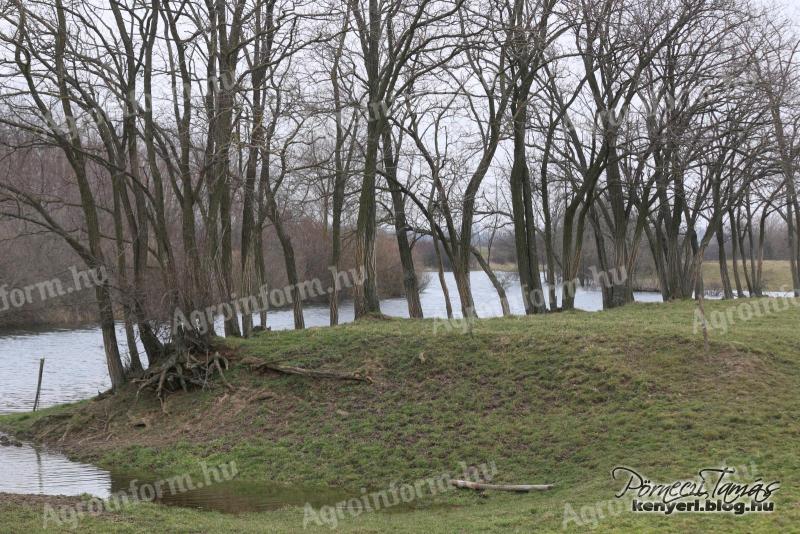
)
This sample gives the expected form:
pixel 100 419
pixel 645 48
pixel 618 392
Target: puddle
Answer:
pixel 239 496
pixel 32 470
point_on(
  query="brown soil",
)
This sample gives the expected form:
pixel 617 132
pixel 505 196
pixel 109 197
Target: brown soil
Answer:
pixel 16 499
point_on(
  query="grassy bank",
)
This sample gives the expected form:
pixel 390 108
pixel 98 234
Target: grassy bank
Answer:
pixel 561 398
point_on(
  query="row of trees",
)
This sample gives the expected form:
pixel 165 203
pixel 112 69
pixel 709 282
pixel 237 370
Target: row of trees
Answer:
pixel 175 132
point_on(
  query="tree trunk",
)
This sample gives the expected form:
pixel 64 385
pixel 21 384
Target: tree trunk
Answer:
pixel 366 299
pixel 115 369
pixel 619 293
pixel 410 283
pixel 521 203
pixel 723 263
pixel 548 230
pixel 261 268
pixel 122 282
pixel 289 261
pixel 461 274
pixel 735 242
pixel 501 292
pixel 442 281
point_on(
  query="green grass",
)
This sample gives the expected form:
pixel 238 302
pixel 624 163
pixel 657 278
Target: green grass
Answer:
pixel 561 398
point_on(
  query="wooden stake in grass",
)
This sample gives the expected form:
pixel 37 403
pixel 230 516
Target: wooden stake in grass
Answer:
pixel 39 385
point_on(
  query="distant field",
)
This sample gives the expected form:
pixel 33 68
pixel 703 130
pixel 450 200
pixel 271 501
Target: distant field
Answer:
pixel 777 274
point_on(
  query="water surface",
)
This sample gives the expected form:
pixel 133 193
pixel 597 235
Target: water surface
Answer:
pixel 34 470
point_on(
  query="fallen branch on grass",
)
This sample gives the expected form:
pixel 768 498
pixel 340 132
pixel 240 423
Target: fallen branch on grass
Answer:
pixel 519 488
pixel 260 365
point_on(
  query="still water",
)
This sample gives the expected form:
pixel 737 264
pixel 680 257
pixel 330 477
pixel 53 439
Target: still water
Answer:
pixel 26 469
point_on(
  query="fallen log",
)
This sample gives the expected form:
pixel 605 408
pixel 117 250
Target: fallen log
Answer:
pixel 519 488
pixel 259 365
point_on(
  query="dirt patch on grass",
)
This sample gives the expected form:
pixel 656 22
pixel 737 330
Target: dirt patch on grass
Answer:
pixel 16 499
pixel 736 363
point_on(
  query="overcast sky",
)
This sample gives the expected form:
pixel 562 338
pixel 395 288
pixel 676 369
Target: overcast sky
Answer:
pixel 789 7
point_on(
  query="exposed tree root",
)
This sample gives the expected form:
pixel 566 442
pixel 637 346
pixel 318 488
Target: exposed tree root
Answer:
pixel 256 364
pixel 182 370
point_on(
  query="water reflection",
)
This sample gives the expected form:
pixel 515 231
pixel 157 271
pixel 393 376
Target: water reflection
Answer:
pixel 31 470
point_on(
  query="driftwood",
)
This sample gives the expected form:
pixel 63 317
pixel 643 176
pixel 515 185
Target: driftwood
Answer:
pixel 260 365
pixel 519 488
